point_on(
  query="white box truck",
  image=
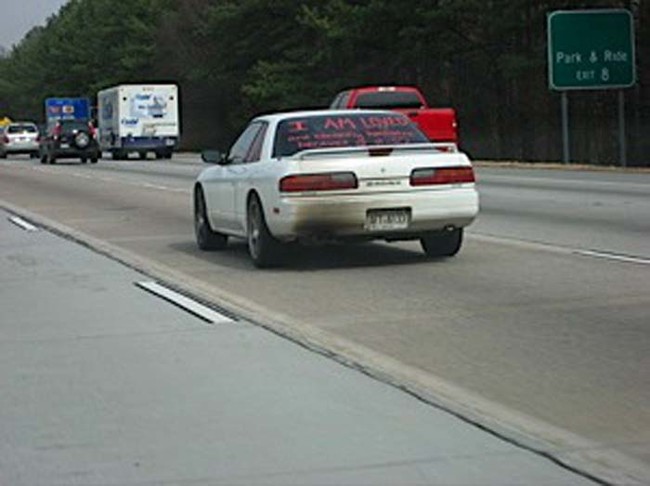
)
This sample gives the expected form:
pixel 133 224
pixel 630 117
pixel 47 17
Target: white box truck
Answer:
pixel 138 118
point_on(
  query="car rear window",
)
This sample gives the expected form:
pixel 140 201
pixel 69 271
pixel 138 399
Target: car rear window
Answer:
pixel 22 129
pixel 350 130
pixel 70 125
pixel 388 100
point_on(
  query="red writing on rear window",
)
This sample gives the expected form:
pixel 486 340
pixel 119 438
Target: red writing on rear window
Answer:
pixel 354 130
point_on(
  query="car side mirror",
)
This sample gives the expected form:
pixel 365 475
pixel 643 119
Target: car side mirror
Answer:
pixel 213 157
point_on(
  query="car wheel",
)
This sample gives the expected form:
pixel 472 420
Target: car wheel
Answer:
pixel 84 160
pixel 444 243
pixel 33 155
pixel 51 159
pixel 3 155
pixel 93 160
pixel 263 248
pixel 44 158
pixel 206 238
pixel 142 155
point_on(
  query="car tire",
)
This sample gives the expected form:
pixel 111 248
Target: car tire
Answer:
pixel 206 238
pixel 3 155
pixel 81 140
pixel 142 155
pixel 84 160
pixel 444 243
pixel 93 160
pixel 263 248
pixel 33 155
pixel 118 155
pixel 44 158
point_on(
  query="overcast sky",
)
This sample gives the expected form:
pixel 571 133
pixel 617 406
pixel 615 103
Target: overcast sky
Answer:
pixel 17 17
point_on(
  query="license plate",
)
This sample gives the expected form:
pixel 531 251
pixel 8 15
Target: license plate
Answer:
pixel 387 219
pixel 169 143
pixel 65 145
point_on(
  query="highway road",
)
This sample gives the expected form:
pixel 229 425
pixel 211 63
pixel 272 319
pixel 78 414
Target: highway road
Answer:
pixel 539 327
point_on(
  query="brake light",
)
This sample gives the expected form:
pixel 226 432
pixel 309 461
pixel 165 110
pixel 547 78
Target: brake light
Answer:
pixel 380 151
pixel 5 139
pixel 319 182
pixel 57 130
pixel 91 130
pixel 444 175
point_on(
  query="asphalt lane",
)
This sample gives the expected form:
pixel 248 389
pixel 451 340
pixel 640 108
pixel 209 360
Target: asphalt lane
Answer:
pixel 520 317
pixel 599 211
pixel 118 387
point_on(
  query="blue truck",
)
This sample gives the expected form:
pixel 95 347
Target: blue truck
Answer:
pixel 59 109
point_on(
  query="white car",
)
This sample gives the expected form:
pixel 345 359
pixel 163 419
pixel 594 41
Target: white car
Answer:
pixel 334 176
pixel 19 138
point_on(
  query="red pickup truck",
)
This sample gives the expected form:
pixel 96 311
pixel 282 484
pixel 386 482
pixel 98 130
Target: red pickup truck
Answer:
pixel 439 124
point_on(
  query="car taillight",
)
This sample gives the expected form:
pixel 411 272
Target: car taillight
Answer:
pixel 319 182
pixel 443 175
pixel 57 130
pixel 5 139
pixel 91 130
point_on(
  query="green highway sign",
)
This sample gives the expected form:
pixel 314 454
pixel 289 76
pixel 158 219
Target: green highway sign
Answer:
pixel 591 49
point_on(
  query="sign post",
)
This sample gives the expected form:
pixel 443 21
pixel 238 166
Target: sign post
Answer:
pixel 591 49
pixel 566 145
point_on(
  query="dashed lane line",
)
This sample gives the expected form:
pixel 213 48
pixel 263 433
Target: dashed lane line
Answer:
pixel 613 256
pixel 558 249
pixel 146 185
pixel 20 222
pixel 190 305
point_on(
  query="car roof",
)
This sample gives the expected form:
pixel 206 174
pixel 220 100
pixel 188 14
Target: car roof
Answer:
pixel 21 123
pixel 385 88
pixel 277 117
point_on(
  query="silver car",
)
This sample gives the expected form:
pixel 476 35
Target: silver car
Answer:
pixel 19 138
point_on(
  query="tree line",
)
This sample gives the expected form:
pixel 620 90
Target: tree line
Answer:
pixel 235 59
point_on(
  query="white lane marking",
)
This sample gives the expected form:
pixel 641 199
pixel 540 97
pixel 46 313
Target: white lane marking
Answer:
pixel 146 185
pixel 564 250
pixel 558 181
pixel 26 225
pixel 613 256
pixel 186 303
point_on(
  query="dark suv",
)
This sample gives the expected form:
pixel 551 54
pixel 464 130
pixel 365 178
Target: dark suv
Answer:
pixel 70 139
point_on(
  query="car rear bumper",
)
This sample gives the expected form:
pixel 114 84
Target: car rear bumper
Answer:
pixel 344 217
pixel 64 152
pixel 19 148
